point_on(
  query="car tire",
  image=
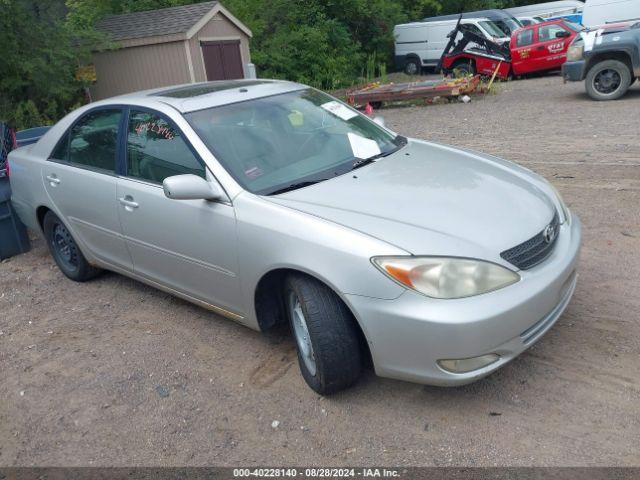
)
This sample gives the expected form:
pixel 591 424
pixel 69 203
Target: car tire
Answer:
pixel 412 67
pixel 608 80
pixel 65 250
pixel 325 332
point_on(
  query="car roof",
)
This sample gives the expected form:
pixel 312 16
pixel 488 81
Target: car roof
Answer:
pixel 198 96
pixel 451 21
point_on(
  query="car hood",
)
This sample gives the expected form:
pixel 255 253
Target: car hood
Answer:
pixel 433 199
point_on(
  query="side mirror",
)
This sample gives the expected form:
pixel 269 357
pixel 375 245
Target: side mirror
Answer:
pixel 380 121
pixel 563 34
pixel 190 187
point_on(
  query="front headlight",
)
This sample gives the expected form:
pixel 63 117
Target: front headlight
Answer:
pixel 575 51
pixel 446 277
pixel 565 210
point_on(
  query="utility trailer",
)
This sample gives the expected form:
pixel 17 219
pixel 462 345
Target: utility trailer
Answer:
pixel 375 94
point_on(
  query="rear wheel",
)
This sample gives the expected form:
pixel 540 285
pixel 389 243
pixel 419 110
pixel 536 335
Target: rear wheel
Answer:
pixel 464 69
pixel 65 251
pixel 329 352
pixel 608 80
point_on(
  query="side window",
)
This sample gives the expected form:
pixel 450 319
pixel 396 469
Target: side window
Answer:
pixel 548 32
pixel 156 150
pixel 524 38
pixel 93 140
pixel 61 152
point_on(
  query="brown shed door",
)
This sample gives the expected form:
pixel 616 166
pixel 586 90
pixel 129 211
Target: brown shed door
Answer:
pixel 222 60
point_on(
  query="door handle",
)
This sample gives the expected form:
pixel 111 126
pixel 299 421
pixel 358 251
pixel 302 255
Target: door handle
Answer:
pixel 128 202
pixel 53 180
pixel 540 47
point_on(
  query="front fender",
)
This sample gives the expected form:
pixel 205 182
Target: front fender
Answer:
pixel 272 236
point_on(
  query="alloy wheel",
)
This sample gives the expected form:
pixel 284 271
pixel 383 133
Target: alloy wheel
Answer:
pixel 301 333
pixel 607 81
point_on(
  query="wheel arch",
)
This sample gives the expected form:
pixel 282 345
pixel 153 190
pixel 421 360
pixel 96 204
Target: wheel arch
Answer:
pixel 41 211
pixel 464 61
pixel 269 308
pixel 620 55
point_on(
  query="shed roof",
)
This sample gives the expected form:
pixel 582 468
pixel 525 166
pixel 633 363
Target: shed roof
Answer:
pixel 183 21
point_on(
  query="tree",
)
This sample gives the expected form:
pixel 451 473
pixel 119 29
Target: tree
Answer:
pixel 38 63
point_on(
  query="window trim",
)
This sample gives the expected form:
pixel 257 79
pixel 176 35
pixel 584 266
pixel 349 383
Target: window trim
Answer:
pixel 125 139
pixel 67 135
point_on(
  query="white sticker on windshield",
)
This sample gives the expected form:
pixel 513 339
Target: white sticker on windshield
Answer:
pixel 363 147
pixel 339 110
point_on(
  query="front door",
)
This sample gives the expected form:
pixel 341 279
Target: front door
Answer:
pixel 550 51
pixel 81 182
pixel 186 245
pixel 222 59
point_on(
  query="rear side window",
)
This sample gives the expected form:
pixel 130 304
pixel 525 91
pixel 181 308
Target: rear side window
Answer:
pixel 93 141
pixel 156 149
pixel 61 152
pixel 524 38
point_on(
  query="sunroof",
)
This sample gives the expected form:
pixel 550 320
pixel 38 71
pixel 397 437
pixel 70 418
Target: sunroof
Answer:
pixel 197 90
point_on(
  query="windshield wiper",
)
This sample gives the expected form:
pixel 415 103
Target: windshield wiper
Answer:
pixel 399 141
pixel 295 186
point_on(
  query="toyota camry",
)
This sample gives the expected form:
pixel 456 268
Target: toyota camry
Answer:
pixel 270 201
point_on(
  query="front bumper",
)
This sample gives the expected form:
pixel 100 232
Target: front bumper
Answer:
pixel 574 71
pixel 408 335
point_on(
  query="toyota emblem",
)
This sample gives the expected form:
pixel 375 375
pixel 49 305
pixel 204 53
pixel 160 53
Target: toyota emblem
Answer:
pixel 549 233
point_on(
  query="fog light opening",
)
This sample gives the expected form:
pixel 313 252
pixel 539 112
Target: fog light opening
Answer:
pixel 466 365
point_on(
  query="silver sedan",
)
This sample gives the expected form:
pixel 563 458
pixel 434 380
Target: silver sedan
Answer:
pixel 270 202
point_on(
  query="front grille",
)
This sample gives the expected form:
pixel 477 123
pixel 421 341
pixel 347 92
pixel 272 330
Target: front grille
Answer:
pixel 535 250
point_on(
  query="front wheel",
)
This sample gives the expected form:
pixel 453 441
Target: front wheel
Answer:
pixel 412 67
pixel 65 251
pixel 608 80
pixel 328 344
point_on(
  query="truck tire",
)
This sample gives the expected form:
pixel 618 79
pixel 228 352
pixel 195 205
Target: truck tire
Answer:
pixel 65 250
pixel 464 68
pixel 326 335
pixel 412 67
pixel 608 80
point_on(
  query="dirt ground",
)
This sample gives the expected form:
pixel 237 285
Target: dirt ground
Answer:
pixel 112 372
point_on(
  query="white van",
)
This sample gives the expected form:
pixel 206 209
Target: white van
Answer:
pixel 420 44
pixel 601 12
pixel 547 9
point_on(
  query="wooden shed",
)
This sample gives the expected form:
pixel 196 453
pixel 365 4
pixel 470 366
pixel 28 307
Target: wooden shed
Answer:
pixel 170 46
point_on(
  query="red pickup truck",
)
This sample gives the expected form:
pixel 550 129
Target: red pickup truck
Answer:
pixel 534 48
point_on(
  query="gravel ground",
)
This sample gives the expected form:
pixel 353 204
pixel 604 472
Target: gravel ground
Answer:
pixel 112 372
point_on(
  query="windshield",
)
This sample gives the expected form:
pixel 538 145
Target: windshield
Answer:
pixel 282 142
pixel 491 28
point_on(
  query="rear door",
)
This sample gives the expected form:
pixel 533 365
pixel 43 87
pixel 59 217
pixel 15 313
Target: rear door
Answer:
pixel 522 50
pixel 80 180
pixel 186 245
pixel 550 51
